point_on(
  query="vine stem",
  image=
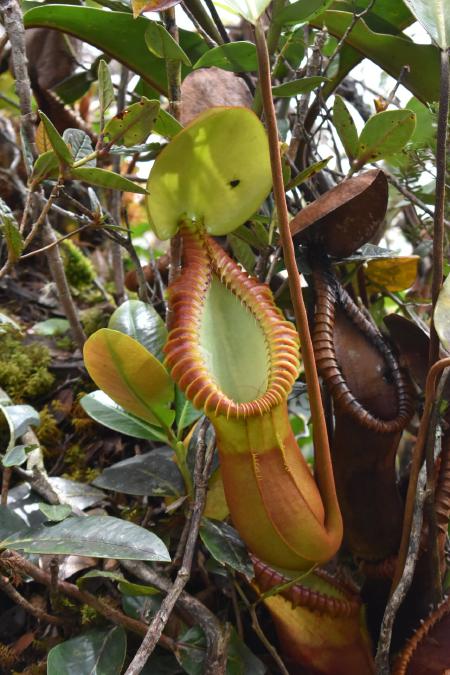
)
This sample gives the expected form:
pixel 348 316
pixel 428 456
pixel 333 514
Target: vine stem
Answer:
pixel 324 470
pixel 439 211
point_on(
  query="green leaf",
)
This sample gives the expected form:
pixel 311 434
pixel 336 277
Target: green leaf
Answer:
pixel 129 374
pixel 10 230
pixel 225 545
pixel 106 179
pixel 185 413
pixel 105 87
pixel 242 252
pixel 133 125
pixel 240 660
pixel 307 173
pixel 21 417
pixel 434 17
pixel 51 327
pixel 442 315
pixel 143 323
pixel 55 513
pixel 166 125
pixel 45 166
pixel 153 474
pixel 116 34
pixel 96 536
pixel 124 586
pixel 391 53
pixel 77 495
pixel 345 127
pixel 216 170
pixel 296 87
pixel 62 151
pixel 238 57
pixel 80 145
pixel 18 455
pixel 383 134
pixel 160 43
pixel 426 124
pixel 10 522
pixel 302 11
pixel 99 652
pixel 72 88
pixel 105 411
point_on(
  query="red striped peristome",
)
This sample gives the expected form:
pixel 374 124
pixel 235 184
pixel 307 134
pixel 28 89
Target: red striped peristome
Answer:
pixel 267 578
pixel 203 258
pixel 329 295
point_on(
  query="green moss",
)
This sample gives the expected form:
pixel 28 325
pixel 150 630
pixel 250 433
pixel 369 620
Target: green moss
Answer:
pixel 24 373
pixel 79 269
pixel 93 319
pixel 75 460
pixel 48 432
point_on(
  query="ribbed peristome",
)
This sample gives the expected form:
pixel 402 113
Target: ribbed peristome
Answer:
pixel 202 259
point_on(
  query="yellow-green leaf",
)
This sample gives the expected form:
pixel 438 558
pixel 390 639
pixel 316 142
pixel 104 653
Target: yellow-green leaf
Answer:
pixel 106 179
pixel 383 134
pixel 160 42
pixel 215 171
pixel 442 315
pixel 393 274
pixel 434 16
pixel 133 125
pixel 130 375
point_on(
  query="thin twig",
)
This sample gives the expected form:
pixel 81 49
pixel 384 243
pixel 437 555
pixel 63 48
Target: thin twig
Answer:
pixel 58 273
pixel 110 613
pixel 439 209
pixel 333 520
pixel 18 599
pixel 396 599
pixel 201 472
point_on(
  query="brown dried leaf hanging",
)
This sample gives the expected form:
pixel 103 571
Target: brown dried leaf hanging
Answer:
pixel 345 217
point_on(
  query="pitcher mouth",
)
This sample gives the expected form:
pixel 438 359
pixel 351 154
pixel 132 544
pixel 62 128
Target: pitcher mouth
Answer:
pixel 229 348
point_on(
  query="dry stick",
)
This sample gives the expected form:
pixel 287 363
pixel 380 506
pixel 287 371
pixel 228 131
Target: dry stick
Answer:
pixel 201 473
pixel 116 203
pixel 15 31
pixel 325 479
pixel 396 599
pixel 110 613
pixel 6 479
pixel 216 642
pixel 439 211
pixel 18 599
pixel 56 266
pixel 418 455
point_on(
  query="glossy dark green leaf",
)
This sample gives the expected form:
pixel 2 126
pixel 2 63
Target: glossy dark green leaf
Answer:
pixel 153 474
pixel 225 545
pixel 160 43
pixel 345 127
pixel 55 513
pixel 105 411
pixel 384 134
pixel 301 11
pixel 240 660
pixel 106 179
pixel 17 455
pixel 116 34
pixel 98 652
pixel 434 17
pixel 10 522
pixel 80 145
pixel 134 124
pixel 142 322
pixel 96 536
pixel 297 87
pixel 391 53
pixel 238 57
pixel 106 94
pixel 59 146
pixel 73 88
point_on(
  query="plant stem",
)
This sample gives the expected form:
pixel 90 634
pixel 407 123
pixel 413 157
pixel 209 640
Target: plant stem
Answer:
pixel 325 478
pixel 200 14
pixel 439 211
